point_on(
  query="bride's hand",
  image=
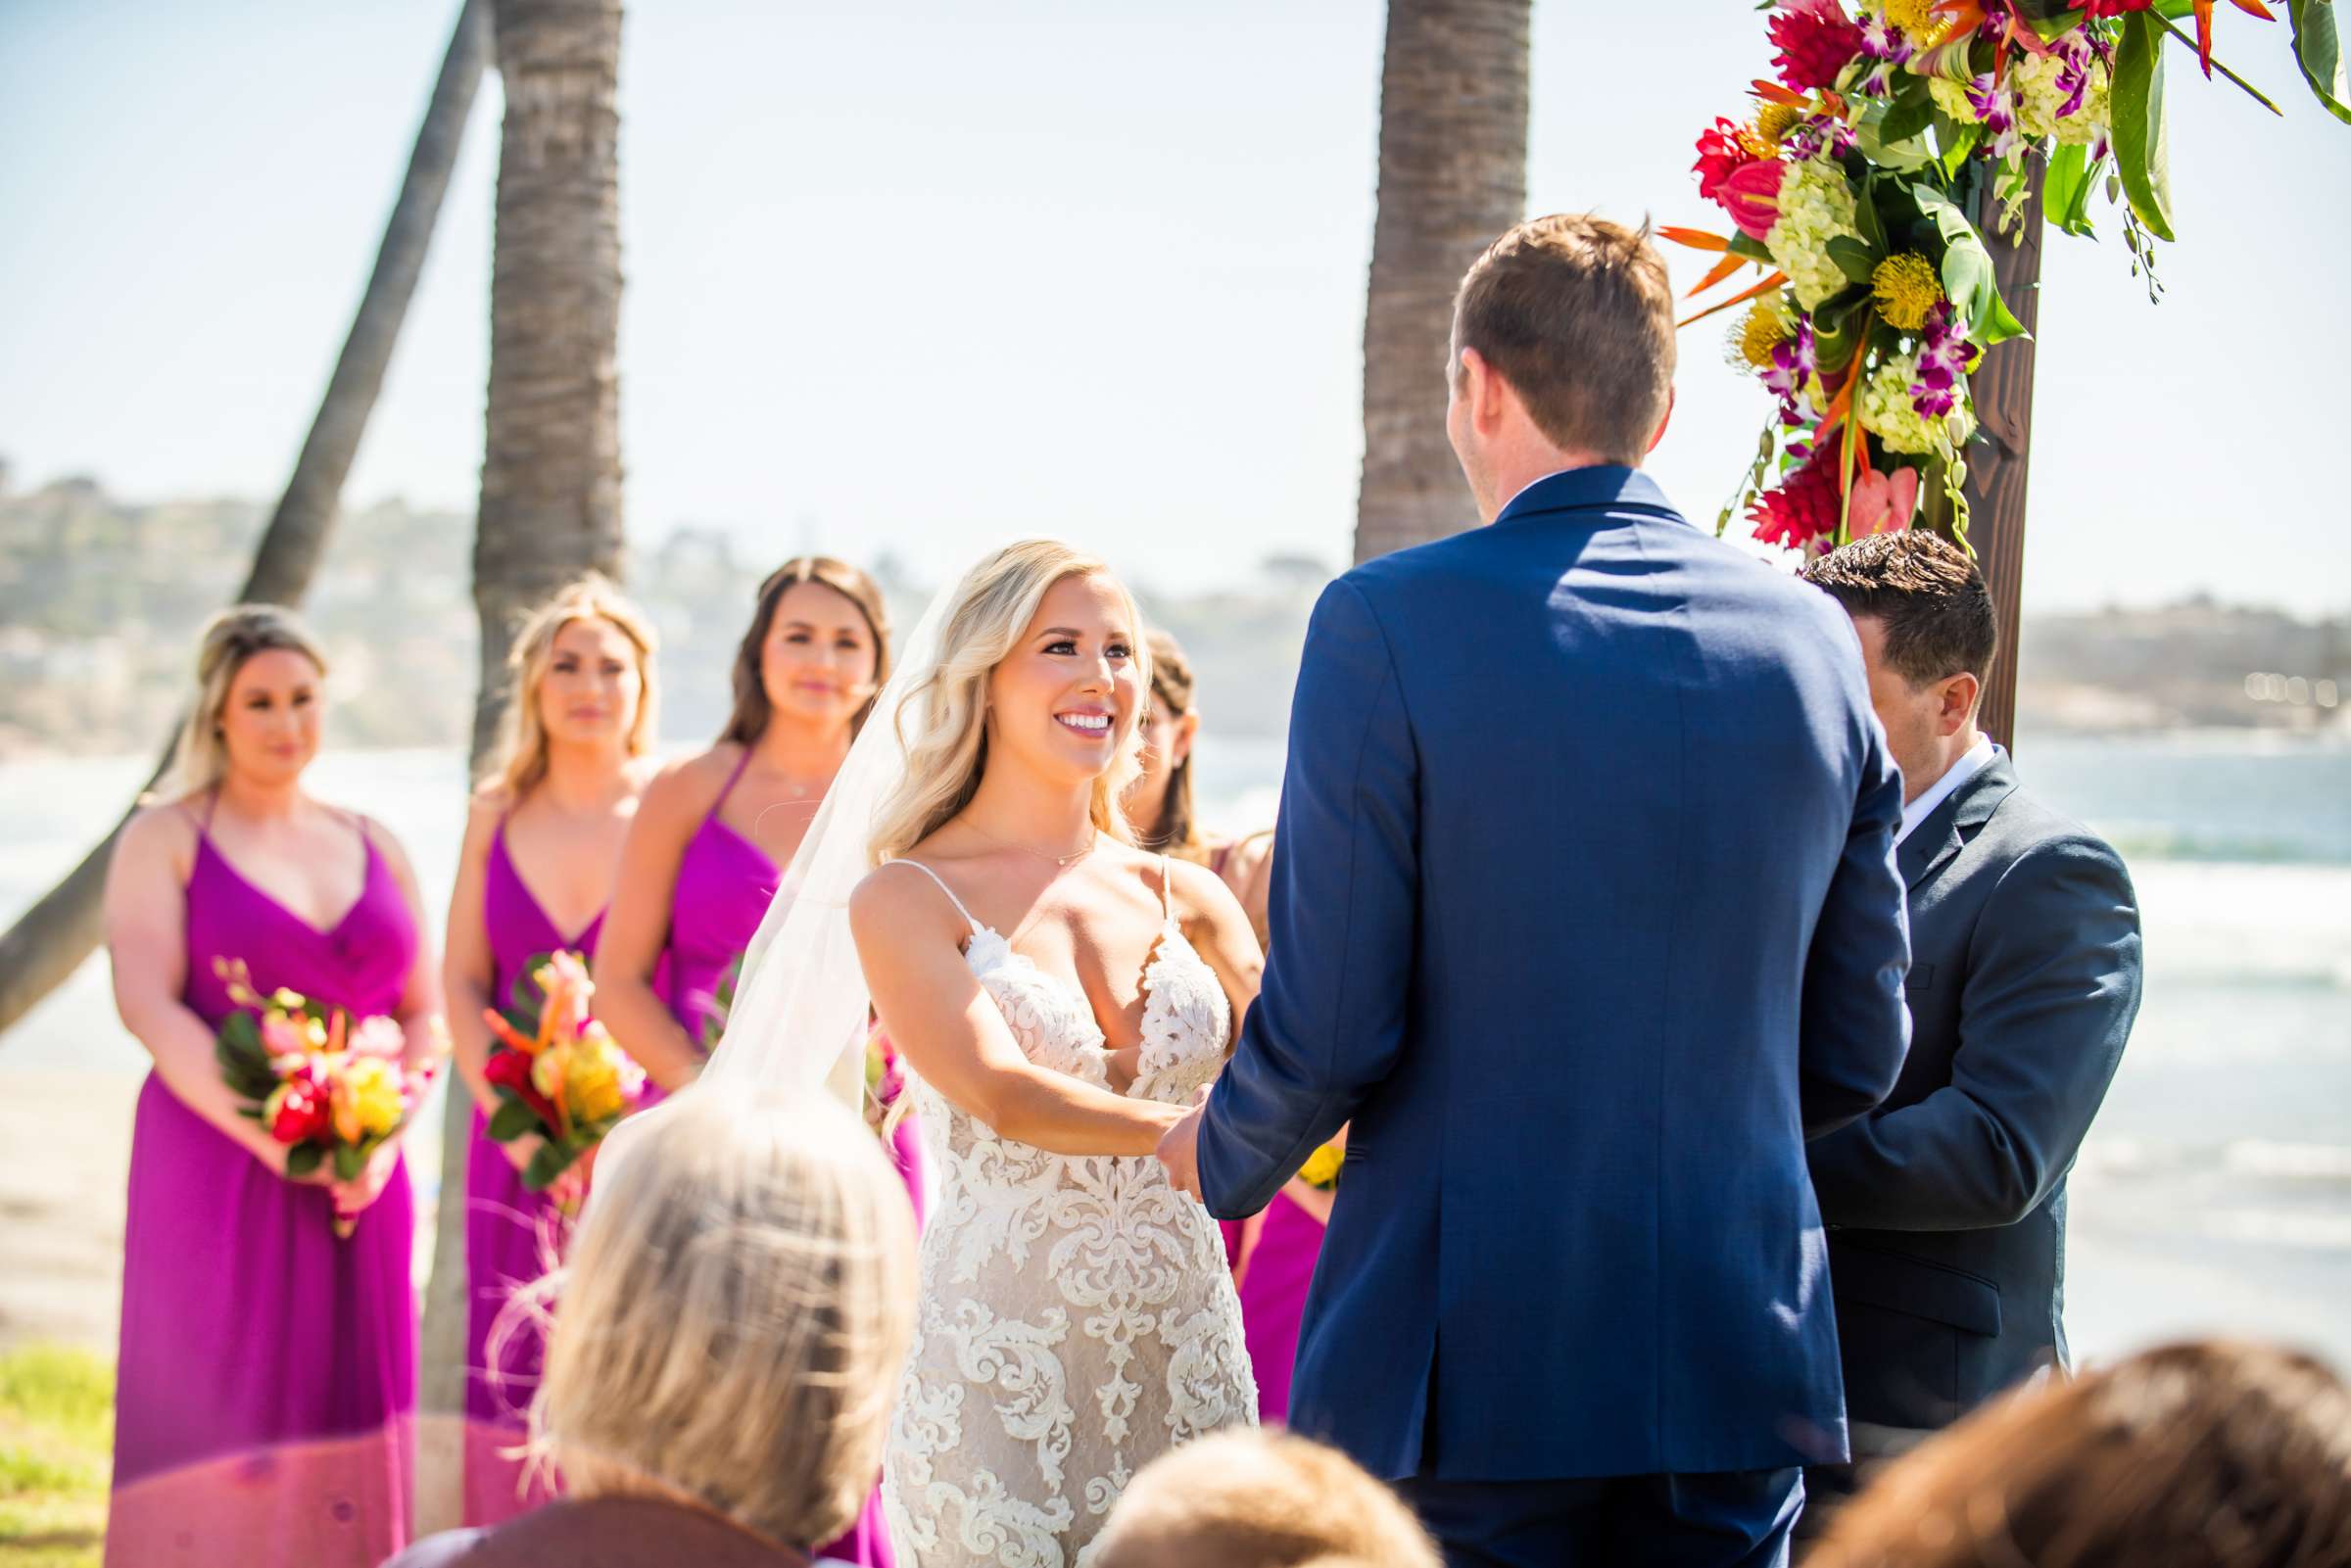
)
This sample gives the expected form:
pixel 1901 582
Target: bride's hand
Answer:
pixel 1179 1148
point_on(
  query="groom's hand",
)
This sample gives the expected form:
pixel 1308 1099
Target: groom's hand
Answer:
pixel 1179 1150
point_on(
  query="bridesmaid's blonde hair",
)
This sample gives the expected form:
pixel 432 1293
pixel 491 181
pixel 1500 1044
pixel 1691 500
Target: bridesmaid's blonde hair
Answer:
pixel 522 754
pixel 230 638
pixel 943 723
pixel 733 1315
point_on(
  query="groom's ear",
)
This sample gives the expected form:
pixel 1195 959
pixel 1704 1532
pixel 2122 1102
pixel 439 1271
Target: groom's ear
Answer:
pixel 1481 391
pixel 1664 422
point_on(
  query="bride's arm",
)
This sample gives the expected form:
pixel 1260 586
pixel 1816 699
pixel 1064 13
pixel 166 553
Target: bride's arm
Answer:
pixel 949 1027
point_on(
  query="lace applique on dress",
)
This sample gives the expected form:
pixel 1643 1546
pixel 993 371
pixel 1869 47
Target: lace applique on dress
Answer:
pixel 1075 1318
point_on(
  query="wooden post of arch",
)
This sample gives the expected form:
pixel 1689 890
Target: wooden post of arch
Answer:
pixel 1999 458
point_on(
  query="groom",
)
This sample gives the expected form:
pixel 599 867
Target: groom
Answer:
pixel 1584 918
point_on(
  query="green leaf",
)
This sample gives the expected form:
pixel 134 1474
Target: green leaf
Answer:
pixel 1908 113
pixel 1957 139
pixel 1742 244
pixel 2319 50
pixel 551 1162
pixel 2142 151
pixel 2067 191
pixel 1853 258
pixel 1837 328
pixel 512 1120
pixel 302 1159
pixel 348 1161
pixel 1968 276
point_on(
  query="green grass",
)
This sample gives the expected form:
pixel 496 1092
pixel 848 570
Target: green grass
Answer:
pixel 57 1433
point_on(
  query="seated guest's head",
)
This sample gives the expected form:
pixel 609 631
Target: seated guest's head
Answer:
pixel 1247 1498
pixel 1928 635
pixel 1561 355
pixel 2199 1455
pixel 736 1311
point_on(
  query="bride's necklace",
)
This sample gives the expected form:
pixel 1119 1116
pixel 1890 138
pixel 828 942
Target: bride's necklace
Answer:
pixel 1068 859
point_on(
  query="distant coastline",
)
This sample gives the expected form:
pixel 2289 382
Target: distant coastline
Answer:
pixel 100 598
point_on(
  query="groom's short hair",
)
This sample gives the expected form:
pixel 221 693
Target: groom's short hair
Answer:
pixel 1576 314
pixel 1926 591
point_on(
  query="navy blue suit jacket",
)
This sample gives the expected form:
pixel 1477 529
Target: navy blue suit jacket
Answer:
pixel 1584 914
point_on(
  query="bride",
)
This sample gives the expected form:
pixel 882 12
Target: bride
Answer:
pixel 1061 998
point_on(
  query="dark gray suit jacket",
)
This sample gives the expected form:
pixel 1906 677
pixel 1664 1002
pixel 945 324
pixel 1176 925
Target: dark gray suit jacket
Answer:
pixel 1946 1206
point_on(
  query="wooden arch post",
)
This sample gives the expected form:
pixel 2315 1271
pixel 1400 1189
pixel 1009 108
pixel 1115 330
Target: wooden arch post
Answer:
pixel 1999 458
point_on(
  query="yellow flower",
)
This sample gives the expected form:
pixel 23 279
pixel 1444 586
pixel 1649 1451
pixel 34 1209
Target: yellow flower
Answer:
pixel 1773 121
pixel 1906 289
pixel 1321 1168
pixel 593 1082
pixel 366 1101
pixel 1915 17
pixel 549 1067
pixel 1762 329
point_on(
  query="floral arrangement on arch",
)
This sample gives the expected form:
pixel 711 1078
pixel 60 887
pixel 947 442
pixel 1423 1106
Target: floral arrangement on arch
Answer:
pixel 1851 185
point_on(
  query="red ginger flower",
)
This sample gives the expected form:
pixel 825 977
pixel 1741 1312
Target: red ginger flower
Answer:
pixel 1816 40
pixel 1805 508
pixel 1724 148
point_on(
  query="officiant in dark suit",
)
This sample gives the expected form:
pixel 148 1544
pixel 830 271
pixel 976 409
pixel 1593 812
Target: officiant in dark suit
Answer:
pixel 1946 1206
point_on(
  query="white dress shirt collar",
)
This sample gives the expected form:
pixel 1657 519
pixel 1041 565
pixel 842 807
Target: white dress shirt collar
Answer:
pixel 1976 759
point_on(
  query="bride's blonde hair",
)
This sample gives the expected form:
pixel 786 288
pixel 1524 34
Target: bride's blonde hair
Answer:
pixel 942 721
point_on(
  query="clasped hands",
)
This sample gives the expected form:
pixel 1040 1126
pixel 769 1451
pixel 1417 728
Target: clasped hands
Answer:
pixel 1179 1148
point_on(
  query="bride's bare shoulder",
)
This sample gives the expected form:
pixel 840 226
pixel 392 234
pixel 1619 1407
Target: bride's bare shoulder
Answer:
pixel 897 899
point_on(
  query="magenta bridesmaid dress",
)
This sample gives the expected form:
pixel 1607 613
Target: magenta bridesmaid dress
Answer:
pixel 265 1383
pixel 723 887
pixel 1272 1289
pixel 513 1234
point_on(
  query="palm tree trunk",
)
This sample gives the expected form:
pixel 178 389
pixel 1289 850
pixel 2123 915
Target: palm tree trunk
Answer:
pixel 550 490
pixel 52 939
pixel 1452 100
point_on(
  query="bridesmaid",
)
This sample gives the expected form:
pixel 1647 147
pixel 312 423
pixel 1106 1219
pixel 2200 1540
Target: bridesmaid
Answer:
pixel 1160 801
pixel 265 1386
pixel 1273 1253
pixel 541 849
pixel 714 832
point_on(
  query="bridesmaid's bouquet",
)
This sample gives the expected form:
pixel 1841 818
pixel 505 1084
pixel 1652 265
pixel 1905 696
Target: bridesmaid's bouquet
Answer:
pixel 558 1073
pixel 326 1085
pixel 1321 1169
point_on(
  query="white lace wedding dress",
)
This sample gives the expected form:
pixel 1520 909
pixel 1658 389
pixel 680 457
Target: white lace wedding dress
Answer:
pixel 1076 1316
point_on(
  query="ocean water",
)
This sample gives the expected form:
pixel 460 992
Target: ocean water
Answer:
pixel 2214 1193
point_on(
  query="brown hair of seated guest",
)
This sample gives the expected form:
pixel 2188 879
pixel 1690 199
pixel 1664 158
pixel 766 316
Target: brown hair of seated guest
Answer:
pixel 2210 1455
pixel 1250 1498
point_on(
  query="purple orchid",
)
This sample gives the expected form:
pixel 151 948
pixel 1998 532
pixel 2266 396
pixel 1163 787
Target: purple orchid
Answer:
pixel 2074 58
pixel 1795 362
pixel 1943 357
pixel 1994 103
pixel 1816 133
pixel 1888 48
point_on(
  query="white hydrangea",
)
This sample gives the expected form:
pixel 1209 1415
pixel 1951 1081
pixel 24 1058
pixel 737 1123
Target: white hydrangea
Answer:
pixel 1951 98
pixel 1816 206
pixel 1887 413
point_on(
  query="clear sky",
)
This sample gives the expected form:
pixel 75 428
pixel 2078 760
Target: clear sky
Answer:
pixel 901 271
